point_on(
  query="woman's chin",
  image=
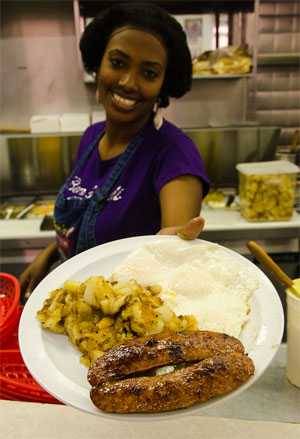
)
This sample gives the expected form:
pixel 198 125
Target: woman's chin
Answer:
pixel 121 116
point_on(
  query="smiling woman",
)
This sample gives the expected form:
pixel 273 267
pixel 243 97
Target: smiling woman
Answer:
pixel 135 173
pixel 130 80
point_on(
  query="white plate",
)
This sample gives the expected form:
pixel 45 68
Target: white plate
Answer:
pixel 54 362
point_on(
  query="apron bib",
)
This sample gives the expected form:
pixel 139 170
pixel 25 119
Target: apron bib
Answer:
pixel 78 216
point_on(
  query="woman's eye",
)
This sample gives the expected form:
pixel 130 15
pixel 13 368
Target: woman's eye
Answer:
pixel 150 74
pixel 116 63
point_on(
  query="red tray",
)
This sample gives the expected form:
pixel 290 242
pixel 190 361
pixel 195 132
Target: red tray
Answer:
pixel 16 383
pixel 9 304
pixel 9 334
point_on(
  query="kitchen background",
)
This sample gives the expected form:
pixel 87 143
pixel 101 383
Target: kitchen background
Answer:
pixel 233 118
pixel 42 72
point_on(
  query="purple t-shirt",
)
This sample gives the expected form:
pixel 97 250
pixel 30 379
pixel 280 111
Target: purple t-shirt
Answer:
pixel 133 206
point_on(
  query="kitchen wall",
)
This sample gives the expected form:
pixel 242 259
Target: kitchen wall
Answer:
pixel 278 79
pixel 41 73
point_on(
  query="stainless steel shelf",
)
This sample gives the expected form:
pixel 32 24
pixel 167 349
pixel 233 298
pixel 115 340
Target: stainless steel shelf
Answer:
pixel 278 59
pixel 222 76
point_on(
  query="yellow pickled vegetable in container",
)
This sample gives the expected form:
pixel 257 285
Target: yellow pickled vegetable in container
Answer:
pixel 267 190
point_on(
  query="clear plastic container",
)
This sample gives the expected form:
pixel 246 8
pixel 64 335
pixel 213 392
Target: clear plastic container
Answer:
pixel 293 336
pixel 267 190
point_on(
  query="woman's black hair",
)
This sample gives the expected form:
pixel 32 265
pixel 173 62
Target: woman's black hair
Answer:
pixel 147 17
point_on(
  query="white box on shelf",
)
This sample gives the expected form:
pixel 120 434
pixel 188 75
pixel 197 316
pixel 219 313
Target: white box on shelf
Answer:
pixel 40 123
pixel 73 122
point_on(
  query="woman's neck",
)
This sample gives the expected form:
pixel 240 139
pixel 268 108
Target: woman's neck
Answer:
pixel 117 137
pixel 122 134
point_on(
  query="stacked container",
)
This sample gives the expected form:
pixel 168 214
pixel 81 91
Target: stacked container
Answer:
pixel 267 190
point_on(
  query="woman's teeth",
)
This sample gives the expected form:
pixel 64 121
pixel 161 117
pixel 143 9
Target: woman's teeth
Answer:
pixel 127 104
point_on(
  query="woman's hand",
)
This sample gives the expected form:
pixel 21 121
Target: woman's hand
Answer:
pixel 191 230
pixel 180 200
pixel 33 274
pixel 36 271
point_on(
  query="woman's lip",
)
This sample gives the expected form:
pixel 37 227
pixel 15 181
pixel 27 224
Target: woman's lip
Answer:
pixel 126 104
pixel 123 95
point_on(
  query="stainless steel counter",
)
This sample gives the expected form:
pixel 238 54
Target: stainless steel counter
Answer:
pixel 271 398
pixel 21 240
pixel 221 225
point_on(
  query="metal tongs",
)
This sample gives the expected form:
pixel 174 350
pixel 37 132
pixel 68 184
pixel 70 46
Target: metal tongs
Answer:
pixel 27 208
pixel 262 256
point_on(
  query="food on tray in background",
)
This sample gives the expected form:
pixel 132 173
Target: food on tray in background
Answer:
pixel 199 278
pixel 10 211
pixel 199 365
pixel 31 210
pixel 40 209
pixel 267 190
pixel 225 61
pixel 215 198
pixel 221 199
pixel 98 314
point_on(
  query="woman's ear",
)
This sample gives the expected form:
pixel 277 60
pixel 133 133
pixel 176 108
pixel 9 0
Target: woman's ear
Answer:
pixel 157 117
pixel 98 84
pixel 98 95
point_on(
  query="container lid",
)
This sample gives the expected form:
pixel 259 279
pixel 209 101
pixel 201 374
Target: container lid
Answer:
pixel 263 168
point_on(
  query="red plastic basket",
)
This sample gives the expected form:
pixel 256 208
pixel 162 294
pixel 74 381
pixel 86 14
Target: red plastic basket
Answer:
pixel 10 341
pixel 16 383
pixel 7 332
pixel 9 305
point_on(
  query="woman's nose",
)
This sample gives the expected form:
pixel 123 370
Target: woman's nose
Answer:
pixel 128 80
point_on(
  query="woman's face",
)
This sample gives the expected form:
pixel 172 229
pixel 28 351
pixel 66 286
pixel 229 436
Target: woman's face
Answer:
pixel 131 75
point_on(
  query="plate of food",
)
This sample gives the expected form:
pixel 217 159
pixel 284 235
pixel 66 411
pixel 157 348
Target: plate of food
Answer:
pixel 151 326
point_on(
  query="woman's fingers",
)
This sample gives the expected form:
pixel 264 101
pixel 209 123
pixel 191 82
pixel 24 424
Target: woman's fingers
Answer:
pixel 24 281
pixel 191 230
pixel 27 284
pixel 168 231
pixel 29 289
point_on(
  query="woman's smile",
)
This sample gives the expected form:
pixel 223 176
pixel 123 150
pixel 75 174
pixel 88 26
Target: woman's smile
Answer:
pixel 123 104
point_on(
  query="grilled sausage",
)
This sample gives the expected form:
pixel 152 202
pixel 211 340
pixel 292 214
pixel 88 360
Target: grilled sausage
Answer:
pixel 212 364
pixel 199 382
pixel 158 350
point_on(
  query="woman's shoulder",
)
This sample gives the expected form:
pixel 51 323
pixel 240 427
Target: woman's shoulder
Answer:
pixel 173 137
pixel 177 155
pixel 169 131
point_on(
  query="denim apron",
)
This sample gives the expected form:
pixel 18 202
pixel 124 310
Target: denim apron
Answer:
pixel 80 214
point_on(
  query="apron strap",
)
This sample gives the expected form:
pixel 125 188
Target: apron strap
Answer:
pixel 87 231
pixel 86 153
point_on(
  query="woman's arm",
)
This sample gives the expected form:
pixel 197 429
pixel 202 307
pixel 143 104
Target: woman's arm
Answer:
pixel 180 201
pixel 35 272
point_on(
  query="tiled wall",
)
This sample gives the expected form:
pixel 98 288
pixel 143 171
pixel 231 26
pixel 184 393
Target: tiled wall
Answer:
pixel 278 84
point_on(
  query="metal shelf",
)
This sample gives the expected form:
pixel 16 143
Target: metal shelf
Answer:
pixel 273 59
pixel 222 76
